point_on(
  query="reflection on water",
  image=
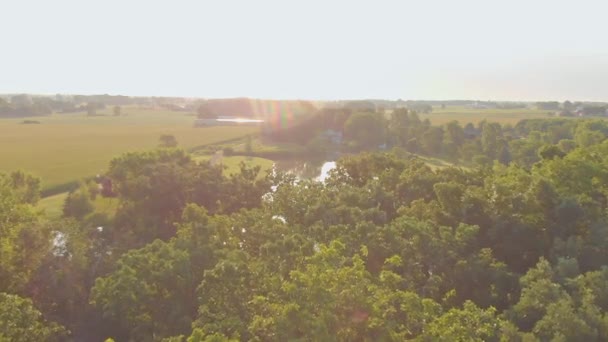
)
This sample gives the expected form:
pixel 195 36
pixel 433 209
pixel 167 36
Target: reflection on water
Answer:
pixel 325 168
pixel 306 169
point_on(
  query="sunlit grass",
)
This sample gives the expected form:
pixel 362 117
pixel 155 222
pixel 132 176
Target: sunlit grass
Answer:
pixel 53 205
pixel 68 147
pixel 465 115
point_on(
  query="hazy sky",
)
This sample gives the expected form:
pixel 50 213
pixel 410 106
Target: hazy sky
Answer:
pixel 313 49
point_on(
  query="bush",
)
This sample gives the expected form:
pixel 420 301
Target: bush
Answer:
pixel 481 160
pixel 78 203
pixel 228 151
pixel 93 189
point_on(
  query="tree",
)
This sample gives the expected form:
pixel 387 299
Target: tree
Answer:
pixel 550 152
pixel 548 105
pixel 481 160
pixel 60 285
pixel 205 111
pixel 21 322
pixel 91 109
pixel 586 137
pixel 537 294
pixel 333 297
pixel 117 110
pixel 168 140
pixel 398 127
pixel 21 101
pixel 224 294
pixel 490 137
pixel 248 145
pixel 24 236
pixel 365 130
pixel 78 204
pixel 467 324
pixel 154 187
pixel 151 293
pixel 504 154
pixel 454 133
pixel 26 187
pixel 431 140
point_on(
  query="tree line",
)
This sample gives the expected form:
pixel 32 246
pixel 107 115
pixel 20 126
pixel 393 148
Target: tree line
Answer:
pixel 524 143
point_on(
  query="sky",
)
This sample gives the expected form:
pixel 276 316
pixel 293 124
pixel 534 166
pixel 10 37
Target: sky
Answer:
pixel 319 50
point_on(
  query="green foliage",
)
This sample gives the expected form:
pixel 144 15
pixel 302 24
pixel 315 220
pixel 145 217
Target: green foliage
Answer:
pixel 151 292
pixel 387 248
pixel 154 187
pixel 24 238
pixel 550 152
pixel 365 130
pixel 78 203
pixel 20 321
pixel 199 336
pixel 470 323
pixel 566 145
pixel 26 187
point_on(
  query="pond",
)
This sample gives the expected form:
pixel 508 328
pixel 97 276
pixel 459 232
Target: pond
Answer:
pixel 306 169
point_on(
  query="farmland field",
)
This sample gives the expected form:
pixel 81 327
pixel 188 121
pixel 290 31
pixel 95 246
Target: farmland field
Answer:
pixel 66 147
pixel 465 115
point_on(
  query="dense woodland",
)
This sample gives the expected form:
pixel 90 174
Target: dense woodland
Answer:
pixel 24 105
pixel 512 245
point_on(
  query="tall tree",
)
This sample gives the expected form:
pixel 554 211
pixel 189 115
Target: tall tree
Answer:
pixel 21 322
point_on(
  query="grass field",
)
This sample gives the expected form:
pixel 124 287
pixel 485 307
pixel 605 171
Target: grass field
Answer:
pixel 465 115
pixel 53 205
pixel 67 147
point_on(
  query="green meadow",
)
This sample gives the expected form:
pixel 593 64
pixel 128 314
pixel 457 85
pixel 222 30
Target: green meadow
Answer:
pixel 465 115
pixel 64 148
pixel 53 205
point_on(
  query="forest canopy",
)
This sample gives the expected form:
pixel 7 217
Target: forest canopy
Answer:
pixel 509 247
